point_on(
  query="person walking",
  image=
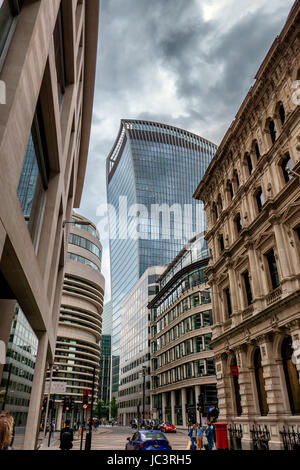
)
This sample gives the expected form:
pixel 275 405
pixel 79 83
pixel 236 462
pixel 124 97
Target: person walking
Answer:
pixel 199 436
pixel 192 436
pixel 210 434
pixel 66 437
pixel 6 430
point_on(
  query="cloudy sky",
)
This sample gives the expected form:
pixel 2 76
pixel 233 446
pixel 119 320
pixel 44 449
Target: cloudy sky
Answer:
pixel 187 63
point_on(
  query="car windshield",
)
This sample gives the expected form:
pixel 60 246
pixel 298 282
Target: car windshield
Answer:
pixel 150 436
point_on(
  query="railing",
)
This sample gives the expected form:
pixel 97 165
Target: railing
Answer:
pixel 247 312
pixel 235 436
pixel 260 438
pixel 275 295
pixel 290 438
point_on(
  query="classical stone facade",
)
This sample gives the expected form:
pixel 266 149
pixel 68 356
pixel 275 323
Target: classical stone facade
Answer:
pixel 182 364
pixel 251 197
pixel 47 70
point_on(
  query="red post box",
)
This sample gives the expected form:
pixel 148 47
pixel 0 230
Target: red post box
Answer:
pixel 221 435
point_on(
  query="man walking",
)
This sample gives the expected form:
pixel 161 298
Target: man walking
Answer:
pixel 66 437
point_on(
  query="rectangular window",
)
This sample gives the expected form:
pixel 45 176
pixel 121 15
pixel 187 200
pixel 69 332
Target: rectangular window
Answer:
pixel 247 287
pixel 195 300
pixel 59 57
pixel 196 321
pixel 207 318
pixel 273 269
pixel 205 297
pixel 198 344
pixel 228 302
pixel 199 368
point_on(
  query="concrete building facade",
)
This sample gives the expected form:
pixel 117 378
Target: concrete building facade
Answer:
pixel 77 352
pixel 135 380
pixel 182 364
pixel 104 389
pixel 47 72
pixel 251 196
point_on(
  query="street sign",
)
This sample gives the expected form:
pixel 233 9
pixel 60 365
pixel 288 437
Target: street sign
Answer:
pixel 56 387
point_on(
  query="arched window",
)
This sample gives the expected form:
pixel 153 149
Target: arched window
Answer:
pixel 259 199
pixel 260 384
pixel 272 130
pixel 286 163
pixel 291 375
pixel 238 223
pixel 236 387
pixel 281 112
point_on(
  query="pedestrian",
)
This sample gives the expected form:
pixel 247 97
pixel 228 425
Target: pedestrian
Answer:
pixel 199 436
pixel 210 434
pixel 6 430
pixel 66 437
pixel 192 435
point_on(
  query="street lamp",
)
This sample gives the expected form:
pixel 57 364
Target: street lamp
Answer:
pixel 49 392
pixel 143 374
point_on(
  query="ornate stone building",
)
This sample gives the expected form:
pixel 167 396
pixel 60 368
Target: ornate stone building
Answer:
pixel 252 201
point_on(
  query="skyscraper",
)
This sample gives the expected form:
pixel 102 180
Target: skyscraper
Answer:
pixel 152 172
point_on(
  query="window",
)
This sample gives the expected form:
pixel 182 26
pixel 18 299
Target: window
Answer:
pixel 221 243
pixel 282 115
pixel 286 163
pixel 257 151
pixel 236 387
pixel 249 163
pixel 9 9
pixel 291 375
pixel 220 203
pixel 215 211
pixel 59 57
pixel 273 269
pixel 236 178
pixel 247 286
pixel 34 177
pixel 260 384
pixel 198 344
pixel 228 302
pixel 259 199
pixel 238 223
pixel 230 189
pixel 273 132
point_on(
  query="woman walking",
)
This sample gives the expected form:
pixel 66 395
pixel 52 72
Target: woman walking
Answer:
pixel 199 436
pixel 6 431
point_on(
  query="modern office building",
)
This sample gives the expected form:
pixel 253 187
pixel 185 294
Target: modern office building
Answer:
pixel 251 196
pixel 135 383
pixel 18 372
pixel 152 171
pixel 105 354
pixel 77 353
pixel 47 70
pixel 182 364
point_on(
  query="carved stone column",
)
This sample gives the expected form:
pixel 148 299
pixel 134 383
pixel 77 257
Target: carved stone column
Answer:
pixel 282 248
pixel 224 387
pixel 246 392
pixel 294 328
pixel 271 373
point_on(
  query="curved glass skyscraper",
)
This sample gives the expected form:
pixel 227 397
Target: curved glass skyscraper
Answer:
pixel 152 172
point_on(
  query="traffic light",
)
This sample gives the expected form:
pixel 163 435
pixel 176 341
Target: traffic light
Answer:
pixel 85 399
pixel 200 404
pixel 66 404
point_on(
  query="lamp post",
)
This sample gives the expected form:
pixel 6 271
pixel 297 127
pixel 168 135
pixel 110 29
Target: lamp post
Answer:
pixel 144 390
pixel 49 392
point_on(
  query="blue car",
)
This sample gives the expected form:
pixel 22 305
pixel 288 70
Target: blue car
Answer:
pixel 148 440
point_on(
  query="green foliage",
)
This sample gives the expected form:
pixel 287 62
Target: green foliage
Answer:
pixel 113 408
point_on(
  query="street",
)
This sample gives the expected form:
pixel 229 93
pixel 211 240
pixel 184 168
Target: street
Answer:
pixel 115 438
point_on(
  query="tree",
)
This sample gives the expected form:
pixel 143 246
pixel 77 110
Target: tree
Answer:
pixel 113 408
pixel 101 409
